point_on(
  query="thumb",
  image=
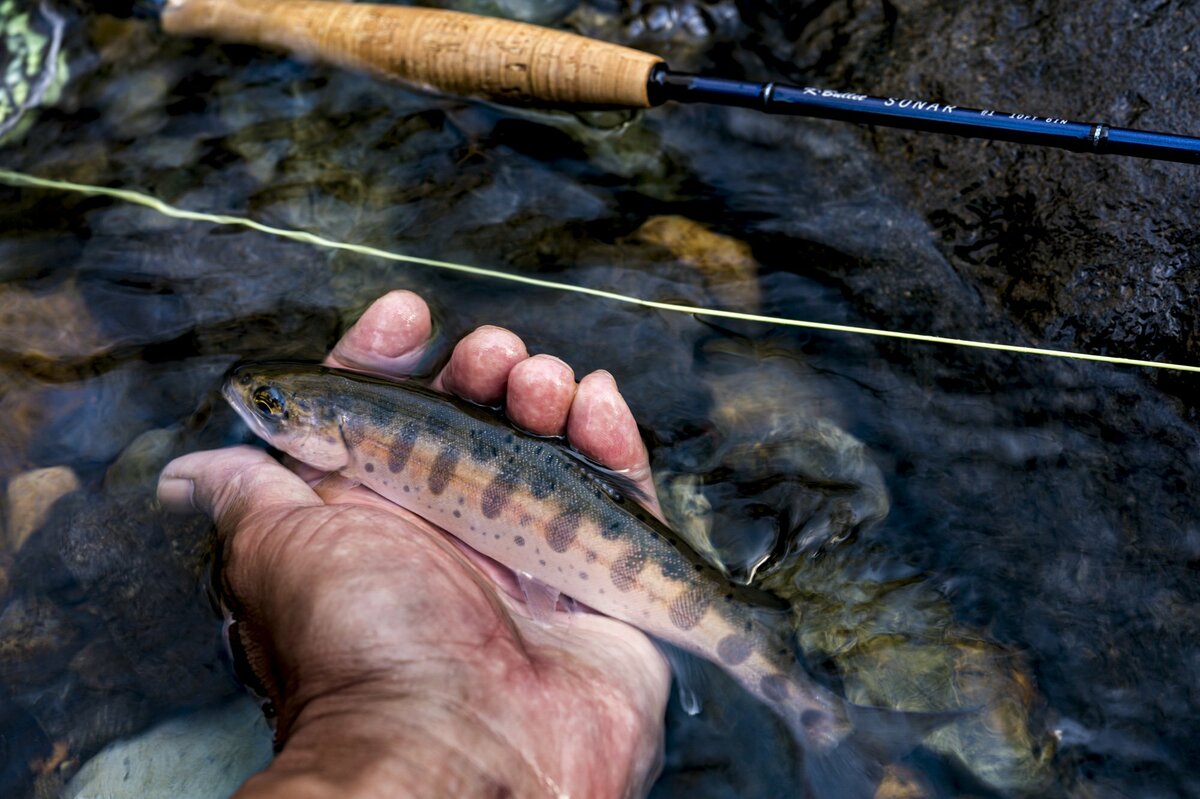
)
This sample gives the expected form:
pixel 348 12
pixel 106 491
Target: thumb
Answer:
pixel 228 484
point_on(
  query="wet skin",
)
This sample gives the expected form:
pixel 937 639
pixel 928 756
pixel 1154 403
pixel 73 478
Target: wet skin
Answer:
pixel 400 662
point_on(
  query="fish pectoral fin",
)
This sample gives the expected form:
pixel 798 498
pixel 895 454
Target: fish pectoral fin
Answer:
pixel 540 599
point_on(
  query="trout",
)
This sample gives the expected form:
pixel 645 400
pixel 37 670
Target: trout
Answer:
pixel 536 507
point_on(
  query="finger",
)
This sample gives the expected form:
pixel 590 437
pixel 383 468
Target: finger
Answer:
pixel 601 426
pixel 228 484
pixel 390 337
pixel 479 366
pixel 540 390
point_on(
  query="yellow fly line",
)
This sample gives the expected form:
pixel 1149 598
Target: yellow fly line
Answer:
pixel 137 198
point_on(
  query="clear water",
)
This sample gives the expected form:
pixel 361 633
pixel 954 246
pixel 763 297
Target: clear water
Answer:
pixel 1016 534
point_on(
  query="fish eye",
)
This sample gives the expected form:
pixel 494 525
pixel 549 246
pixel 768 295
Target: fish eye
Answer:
pixel 269 402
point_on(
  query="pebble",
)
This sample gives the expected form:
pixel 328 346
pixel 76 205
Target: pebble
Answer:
pixel 30 497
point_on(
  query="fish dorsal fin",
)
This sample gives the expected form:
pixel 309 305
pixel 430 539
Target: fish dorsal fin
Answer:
pixel 616 485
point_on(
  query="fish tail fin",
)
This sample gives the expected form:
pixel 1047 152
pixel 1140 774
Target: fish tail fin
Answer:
pixel 850 764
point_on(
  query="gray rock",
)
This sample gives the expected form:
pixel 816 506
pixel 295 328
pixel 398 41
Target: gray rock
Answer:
pixel 203 755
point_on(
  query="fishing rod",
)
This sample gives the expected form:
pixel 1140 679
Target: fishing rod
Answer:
pixel 515 63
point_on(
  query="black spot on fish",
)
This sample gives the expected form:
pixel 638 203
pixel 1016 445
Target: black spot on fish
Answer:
pixel 591 556
pixel 370 467
pixel 626 570
pixel 728 597
pixel 775 687
pixel 496 536
pixel 699 567
pixel 542 562
pixel 496 495
pixel 461 500
pixel 583 575
pixel 561 531
pixel 519 540
pixel 733 649
pixel 406 489
pixel 611 530
pixel 687 609
pixel 401 448
pixel 479 450
pixel 442 470
pixel 458 514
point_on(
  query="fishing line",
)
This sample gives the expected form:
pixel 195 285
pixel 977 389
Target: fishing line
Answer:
pixel 155 204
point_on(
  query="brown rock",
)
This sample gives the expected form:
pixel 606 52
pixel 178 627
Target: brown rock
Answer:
pixel 727 265
pixel 30 497
pixel 902 782
pixel 50 324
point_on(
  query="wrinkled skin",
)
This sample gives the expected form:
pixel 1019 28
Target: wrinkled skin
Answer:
pixel 401 663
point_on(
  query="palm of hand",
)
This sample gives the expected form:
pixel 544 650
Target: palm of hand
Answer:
pixel 347 602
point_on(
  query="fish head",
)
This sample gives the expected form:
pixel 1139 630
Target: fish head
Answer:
pixel 294 408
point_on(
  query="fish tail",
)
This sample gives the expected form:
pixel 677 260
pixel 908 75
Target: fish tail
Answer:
pixel 844 757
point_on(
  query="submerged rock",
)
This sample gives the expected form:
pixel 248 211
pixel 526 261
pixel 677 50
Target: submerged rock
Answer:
pixel 30 497
pixel 55 323
pixel 207 754
pixel 724 264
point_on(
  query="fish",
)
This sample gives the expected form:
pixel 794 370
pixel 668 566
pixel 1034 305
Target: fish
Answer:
pixel 540 508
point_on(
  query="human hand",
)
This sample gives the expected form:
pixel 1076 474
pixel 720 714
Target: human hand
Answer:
pixel 400 662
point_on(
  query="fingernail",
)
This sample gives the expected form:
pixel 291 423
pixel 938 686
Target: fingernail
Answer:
pixel 177 494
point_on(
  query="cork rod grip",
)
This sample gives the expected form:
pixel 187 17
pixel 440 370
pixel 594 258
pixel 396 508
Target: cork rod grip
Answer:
pixel 447 51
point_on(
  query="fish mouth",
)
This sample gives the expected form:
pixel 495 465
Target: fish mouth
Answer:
pixel 230 393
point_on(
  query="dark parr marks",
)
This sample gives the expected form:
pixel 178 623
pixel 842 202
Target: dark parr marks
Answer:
pixel 775 687
pixel 562 530
pixel 687 609
pixel 496 495
pixel 733 649
pixel 442 470
pixel 626 569
pixel 401 448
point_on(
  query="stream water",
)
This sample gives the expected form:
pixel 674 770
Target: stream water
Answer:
pixel 957 528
